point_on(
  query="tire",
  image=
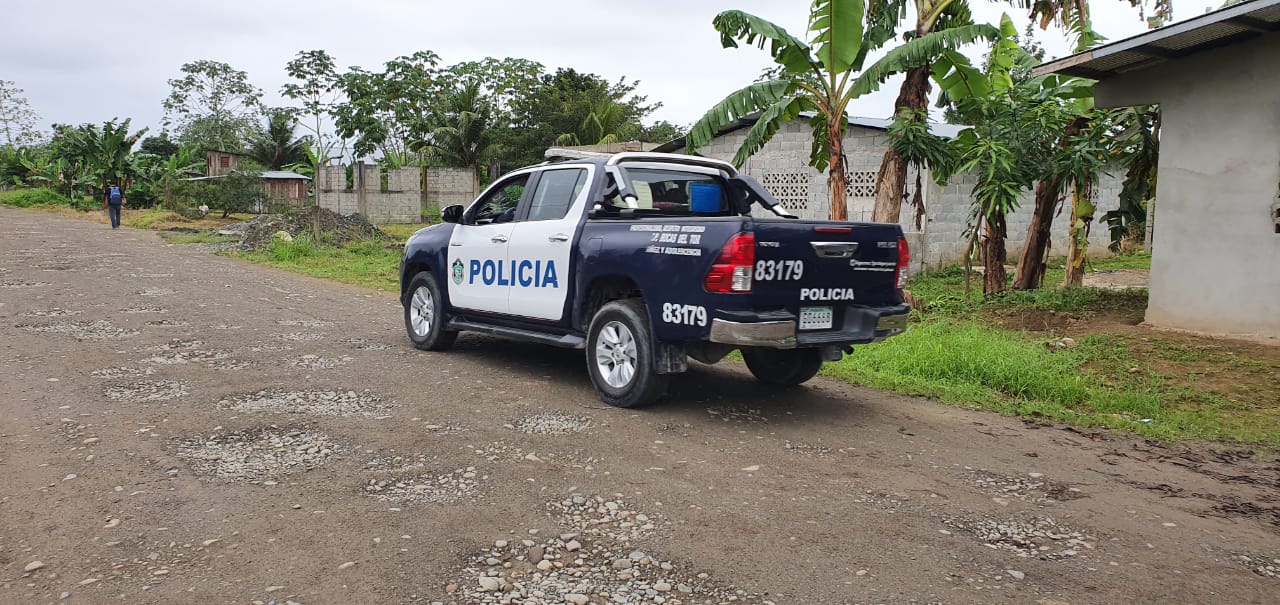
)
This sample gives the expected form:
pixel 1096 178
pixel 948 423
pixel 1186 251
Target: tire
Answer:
pixel 424 319
pixel 620 355
pixel 783 367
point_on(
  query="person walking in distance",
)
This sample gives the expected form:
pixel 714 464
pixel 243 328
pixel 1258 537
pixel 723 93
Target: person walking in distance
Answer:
pixel 113 201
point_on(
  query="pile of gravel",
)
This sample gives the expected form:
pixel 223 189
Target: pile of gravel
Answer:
pixel 148 390
pixel 1031 488
pixel 599 516
pixel 314 402
pixel 1039 537
pixel 257 456
pixel 550 423
pixel 567 569
pixel 83 330
pixel 462 485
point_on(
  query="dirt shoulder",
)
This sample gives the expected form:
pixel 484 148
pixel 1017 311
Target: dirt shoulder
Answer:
pixel 180 427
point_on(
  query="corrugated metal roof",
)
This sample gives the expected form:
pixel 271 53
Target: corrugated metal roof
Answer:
pixel 943 130
pixel 280 174
pixel 1222 27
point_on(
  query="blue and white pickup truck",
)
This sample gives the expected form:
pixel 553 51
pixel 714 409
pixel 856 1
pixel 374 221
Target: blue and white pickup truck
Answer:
pixel 646 260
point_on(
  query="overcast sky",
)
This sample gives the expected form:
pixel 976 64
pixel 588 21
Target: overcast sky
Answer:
pixel 90 60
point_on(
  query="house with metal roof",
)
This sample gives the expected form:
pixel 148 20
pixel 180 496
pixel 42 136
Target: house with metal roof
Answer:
pixel 1215 263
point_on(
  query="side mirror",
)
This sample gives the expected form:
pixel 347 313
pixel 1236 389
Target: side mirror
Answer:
pixel 452 214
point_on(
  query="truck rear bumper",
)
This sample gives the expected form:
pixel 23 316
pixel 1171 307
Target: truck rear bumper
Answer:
pixel 861 325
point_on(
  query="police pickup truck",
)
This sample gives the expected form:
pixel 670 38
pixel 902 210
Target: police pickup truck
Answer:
pixel 647 259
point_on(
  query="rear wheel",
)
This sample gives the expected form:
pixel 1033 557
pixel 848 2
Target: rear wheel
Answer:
pixel 424 316
pixel 620 355
pixel 783 367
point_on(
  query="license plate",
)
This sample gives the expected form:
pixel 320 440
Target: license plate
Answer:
pixel 815 318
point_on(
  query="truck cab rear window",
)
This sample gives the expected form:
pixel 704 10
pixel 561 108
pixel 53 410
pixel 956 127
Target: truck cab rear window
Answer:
pixel 674 193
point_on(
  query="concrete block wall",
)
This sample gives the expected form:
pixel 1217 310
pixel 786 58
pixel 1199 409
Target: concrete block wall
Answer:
pixel 403 198
pixel 940 241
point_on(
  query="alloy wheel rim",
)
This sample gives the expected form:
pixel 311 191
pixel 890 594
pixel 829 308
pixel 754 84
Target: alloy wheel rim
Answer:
pixel 422 311
pixel 616 357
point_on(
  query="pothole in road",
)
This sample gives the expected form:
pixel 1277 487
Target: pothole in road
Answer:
pixel 83 330
pixel 462 485
pixel 550 423
pixel 315 362
pixel 1039 537
pixel 230 364
pixel 156 292
pixel 501 452
pixel 738 413
pixel 122 372
pixel 364 344
pixel 1031 488
pixel 313 402
pixel 148 390
pixel 305 323
pixel 54 312
pixel 806 449
pixel 599 516
pixel 168 323
pixel 1267 567
pixel 18 284
pixel 145 309
pixel 562 569
pixel 182 357
pixel 300 336
pixel 257 456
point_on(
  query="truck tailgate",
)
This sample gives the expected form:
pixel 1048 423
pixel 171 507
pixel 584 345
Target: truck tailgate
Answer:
pixel 815 269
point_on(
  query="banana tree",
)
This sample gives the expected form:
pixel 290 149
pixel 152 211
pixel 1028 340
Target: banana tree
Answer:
pixel 821 79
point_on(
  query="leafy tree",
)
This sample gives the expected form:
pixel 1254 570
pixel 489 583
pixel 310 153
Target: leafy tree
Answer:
pixel 17 119
pixel 1136 147
pixel 661 132
pixel 460 133
pixel 318 89
pixel 160 146
pixel 822 80
pixel 213 106
pixel 277 147
pixel 162 179
pixel 386 111
pixel 95 156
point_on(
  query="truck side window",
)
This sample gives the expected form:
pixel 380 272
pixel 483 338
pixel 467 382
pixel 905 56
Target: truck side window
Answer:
pixel 501 203
pixel 555 193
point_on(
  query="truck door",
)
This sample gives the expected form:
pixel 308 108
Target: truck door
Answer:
pixel 538 255
pixel 478 249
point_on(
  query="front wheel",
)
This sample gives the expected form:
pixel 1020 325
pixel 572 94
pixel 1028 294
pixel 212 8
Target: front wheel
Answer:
pixel 424 316
pixel 620 355
pixel 783 367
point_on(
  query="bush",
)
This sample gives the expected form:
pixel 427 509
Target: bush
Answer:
pixel 284 251
pixel 26 198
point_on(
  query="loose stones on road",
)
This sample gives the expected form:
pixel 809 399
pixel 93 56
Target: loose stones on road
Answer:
pixel 551 423
pixel 148 390
pixel 315 402
pixel 83 330
pixel 257 455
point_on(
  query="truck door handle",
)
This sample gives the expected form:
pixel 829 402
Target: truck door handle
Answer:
pixel 559 237
pixel 835 249
pixel 499 239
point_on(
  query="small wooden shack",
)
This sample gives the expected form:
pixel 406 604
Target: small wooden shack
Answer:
pixel 282 186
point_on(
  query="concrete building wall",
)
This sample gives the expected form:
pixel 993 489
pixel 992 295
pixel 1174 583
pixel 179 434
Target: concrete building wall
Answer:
pixel 449 186
pixel 782 166
pixel 1215 250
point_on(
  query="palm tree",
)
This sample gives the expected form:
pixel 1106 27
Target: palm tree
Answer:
pixel 821 80
pixel 276 147
pixel 459 134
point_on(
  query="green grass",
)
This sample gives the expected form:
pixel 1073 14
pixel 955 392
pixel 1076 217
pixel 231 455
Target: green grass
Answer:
pixel 944 293
pixel 401 232
pixel 370 263
pixel 201 237
pixel 32 198
pixel 967 363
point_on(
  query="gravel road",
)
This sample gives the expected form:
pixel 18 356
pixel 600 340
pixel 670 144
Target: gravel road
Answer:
pixel 177 427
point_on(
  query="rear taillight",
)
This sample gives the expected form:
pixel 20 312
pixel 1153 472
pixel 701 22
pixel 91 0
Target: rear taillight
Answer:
pixel 731 271
pixel 904 259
